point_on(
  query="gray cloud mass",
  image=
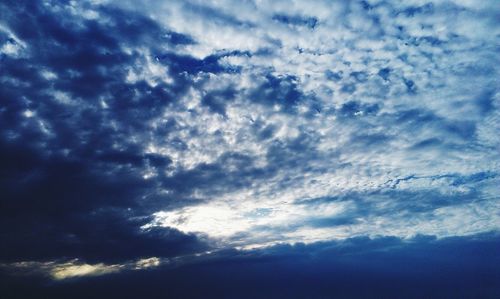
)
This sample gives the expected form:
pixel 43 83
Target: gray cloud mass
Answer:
pixel 143 133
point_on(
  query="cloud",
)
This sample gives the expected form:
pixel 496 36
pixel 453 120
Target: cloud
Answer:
pixel 352 268
pixel 66 172
pixel 134 134
pixel 73 269
pixel 364 96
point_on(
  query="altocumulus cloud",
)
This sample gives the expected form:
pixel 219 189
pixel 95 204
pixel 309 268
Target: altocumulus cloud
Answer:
pixel 167 143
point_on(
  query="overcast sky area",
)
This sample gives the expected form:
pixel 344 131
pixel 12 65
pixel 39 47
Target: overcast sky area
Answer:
pixel 249 149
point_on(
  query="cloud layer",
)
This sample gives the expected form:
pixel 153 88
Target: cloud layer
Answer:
pixel 171 129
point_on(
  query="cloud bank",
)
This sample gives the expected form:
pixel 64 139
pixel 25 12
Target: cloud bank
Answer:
pixel 168 130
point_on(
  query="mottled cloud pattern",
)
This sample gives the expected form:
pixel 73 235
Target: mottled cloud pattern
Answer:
pixel 176 135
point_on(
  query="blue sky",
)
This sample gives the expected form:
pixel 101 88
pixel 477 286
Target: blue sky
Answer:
pixel 165 140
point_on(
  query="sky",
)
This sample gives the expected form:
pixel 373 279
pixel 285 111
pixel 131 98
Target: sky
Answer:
pixel 249 149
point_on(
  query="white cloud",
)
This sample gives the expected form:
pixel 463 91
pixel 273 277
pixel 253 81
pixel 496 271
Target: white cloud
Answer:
pixel 424 118
pixel 70 270
pixel 62 270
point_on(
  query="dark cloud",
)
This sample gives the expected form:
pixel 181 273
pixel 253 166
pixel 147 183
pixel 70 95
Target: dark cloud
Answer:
pixel 71 175
pixel 85 210
pixel 420 119
pixel 216 100
pixel 355 268
pixel 348 88
pixel 230 172
pixel 335 76
pixel 384 73
pixel 110 116
pixel 426 9
pixel 310 22
pixel 278 90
